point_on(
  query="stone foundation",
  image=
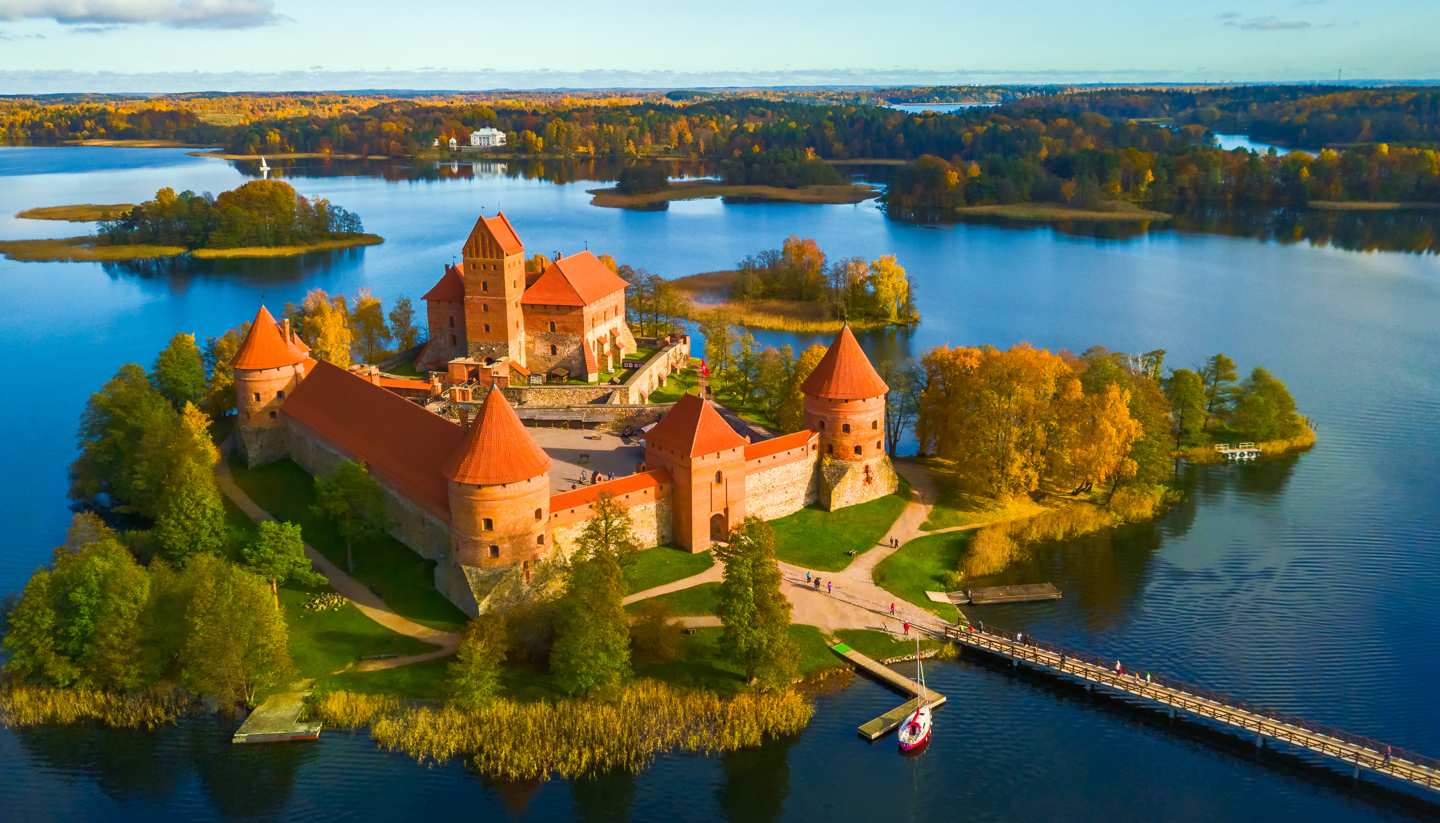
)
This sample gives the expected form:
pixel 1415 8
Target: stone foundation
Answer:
pixel 848 483
pixel 261 445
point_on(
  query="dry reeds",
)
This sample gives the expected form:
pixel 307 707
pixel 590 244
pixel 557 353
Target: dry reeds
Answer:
pixel 510 740
pixel 22 706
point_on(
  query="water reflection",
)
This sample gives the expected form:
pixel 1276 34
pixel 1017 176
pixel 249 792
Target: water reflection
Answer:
pixel 757 781
pixel 603 798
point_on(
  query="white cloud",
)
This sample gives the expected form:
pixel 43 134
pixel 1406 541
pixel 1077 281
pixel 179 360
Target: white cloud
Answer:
pixel 209 14
pixel 1234 21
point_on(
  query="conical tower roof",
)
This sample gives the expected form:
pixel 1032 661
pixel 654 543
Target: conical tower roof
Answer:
pixel 693 427
pixel 266 346
pixel 844 373
pixel 497 449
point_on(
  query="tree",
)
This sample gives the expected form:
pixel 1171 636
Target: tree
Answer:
pixel 753 610
pixel 236 643
pixel 219 354
pixel 609 530
pixel 325 321
pixel 191 519
pixel 355 503
pixel 1264 408
pixel 78 622
pixel 179 372
pixel 791 416
pixel 1186 392
pixel 891 288
pixel 902 402
pixel 719 342
pixel 536 263
pixel 592 635
pixel 654 636
pixel 367 327
pixel 402 324
pixel 642 177
pixel 774 374
pixel 747 369
pixel 112 428
pixel 474 676
pixel 1218 375
pixel 278 555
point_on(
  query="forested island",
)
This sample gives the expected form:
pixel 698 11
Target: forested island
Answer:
pixel 262 218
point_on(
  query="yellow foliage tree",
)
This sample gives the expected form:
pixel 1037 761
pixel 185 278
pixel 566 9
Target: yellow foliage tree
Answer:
pixel 326 322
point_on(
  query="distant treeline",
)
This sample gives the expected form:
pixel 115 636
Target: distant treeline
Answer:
pixel 259 213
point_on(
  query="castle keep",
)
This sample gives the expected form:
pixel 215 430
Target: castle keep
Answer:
pixel 477 497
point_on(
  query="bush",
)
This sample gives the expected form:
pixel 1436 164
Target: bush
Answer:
pixel 654 636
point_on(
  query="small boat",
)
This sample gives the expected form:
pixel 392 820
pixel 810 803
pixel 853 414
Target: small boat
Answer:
pixel 914 733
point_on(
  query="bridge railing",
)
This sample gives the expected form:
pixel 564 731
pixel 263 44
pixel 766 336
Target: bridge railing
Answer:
pixel 1163 689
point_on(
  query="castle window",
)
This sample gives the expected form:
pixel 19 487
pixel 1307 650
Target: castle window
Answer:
pixel 554 350
pixel 552 325
pixel 485 308
pixel 719 477
pixel 822 425
pixel 452 321
pixel 877 445
pixel 257 397
pixel 857 448
pixel 494 551
pixel 487 327
pixel 489 524
pixel 845 427
pixel 484 286
pixel 538 515
pixel 540 541
pixel 280 395
pixel 874 424
pixel 272 414
pixel 453 341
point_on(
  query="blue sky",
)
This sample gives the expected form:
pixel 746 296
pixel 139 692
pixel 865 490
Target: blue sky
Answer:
pixel 159 45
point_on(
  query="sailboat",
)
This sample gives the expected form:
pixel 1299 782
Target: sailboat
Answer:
pixel 264 168
pixel 915 731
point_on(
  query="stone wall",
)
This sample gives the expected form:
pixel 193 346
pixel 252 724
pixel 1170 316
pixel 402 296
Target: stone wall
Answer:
pixel 848 483
pixel 781 484
pixel 424 531
pixel 650 519
pixel 656 370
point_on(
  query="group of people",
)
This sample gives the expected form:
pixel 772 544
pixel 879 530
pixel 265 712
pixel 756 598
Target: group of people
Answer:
pixel 814 580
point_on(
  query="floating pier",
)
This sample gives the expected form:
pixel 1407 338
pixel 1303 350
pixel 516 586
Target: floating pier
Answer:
pixel 277 720
pixel 1240 451
pixel 891 720
pixel 990 595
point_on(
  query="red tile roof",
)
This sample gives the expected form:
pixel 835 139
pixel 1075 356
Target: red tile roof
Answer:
pixel 450 288
pixel 844 373
pixel 404 384
pixel 500 230
pixel 577 280
pixel 776 445
pixel 497 449
pixel 694 428
pixel 585 495
pixel 402 443
pixel 266 346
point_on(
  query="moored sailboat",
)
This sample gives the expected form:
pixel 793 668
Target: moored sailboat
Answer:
pixel 914 733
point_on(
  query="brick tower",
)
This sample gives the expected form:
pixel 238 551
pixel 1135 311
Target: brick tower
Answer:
pixel 706 460
pixel 845 403
pixel 499 492
pixel 269 365
pixel 493 270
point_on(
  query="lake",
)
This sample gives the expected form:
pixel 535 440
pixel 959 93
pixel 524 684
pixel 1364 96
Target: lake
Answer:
pixel 1306 584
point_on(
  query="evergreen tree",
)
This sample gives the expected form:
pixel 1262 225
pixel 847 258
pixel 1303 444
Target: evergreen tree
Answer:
pixel 1186 393
pixel 355 503
pixel 278 555
pixel 474 676
pixel 592 637
pixel 179 372
pixel 1218 375
pixel 753 609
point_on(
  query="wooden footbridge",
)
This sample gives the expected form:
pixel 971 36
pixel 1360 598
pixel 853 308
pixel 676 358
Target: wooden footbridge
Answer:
pixel 1356 752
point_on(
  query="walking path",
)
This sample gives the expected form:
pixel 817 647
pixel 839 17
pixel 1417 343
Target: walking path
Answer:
pixel 351 589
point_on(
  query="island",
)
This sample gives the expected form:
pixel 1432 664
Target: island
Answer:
pixel 695 189
pixel 262 218
pixel 788 175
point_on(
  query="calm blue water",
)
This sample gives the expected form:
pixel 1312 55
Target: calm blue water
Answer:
pixel 1230 142
pixel 1307 584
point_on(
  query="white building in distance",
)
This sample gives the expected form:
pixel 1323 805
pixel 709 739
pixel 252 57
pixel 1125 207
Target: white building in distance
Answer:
pixel 487 138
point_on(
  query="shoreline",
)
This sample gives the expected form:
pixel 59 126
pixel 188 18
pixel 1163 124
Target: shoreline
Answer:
pixel 1269 449
pixel 690 190
pixel 706 292
pixel 84 249
pixel 1058 213
pixel 76 212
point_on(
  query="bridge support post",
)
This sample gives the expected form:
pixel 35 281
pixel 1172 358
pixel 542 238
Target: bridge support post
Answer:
pixel 1172 712
pixel 1259 741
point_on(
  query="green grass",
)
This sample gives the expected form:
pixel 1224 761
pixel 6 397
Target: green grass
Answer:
pixel 920 566
pixel 702 665
pixel 678 385
pixel 660 565
pixel 883 645
pixel 820 540
pixel 325 642
pixel 420 681
pixel 696 600
pixel 402 578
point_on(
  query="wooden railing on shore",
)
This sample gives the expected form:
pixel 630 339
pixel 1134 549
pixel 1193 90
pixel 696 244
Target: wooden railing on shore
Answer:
pixel 1353 750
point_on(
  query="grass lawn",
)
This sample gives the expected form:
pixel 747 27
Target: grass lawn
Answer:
pixel 325 642
pixel 402 578
pixel 701 599
pixel 883 645
pixel 819 540
pixel 676 386
pixel 421 681
pixel 702 666
pixel 920 566
pixel 660 565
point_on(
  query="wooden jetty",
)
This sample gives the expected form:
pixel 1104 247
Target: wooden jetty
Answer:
pixel 277 720
pixel 891 720
pixel 1240 451
pixel 990 595
pixel 1351 750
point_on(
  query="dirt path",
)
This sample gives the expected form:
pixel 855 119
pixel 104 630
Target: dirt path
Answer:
pixel 351 589
pixel 710 575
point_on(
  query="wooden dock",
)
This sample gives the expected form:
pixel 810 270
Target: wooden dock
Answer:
pixel 277 720
pixel 891 720
pixel 991 595
pixel 1353 751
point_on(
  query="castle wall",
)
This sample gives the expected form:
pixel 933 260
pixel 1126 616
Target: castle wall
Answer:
pixel 783 483
pixel 645 497
pixel 851 430
pixel 848 482
pixel 424 531
pixel 447 333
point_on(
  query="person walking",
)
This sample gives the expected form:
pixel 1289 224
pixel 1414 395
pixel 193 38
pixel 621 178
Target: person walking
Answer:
pixel 892 608
pixel 907 628
pixel 807 578
pixel 830 587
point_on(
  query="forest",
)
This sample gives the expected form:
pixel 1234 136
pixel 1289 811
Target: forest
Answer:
pixel 259 213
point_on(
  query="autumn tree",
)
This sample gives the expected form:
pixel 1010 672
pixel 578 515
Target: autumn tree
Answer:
pixel 219 354
pixel 236 642
pixel 1218 375
pixel 1186 392
pixel 1264 408
pixel 326 324
pixel 368 331
pixel 352 500
pixel 791 414
pixel 890 286
pixel 719 342
pixel 402 324
pixel 902 402
pixel 179 371
pixel 753 610
pixel 278 555
pixel 474 676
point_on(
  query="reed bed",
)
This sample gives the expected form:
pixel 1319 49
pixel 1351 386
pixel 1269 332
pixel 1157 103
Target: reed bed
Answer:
pixel 22 706
pixel 1268 448
pixel 510 740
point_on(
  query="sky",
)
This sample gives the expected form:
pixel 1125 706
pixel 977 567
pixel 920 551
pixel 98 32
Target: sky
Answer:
pixel 186 45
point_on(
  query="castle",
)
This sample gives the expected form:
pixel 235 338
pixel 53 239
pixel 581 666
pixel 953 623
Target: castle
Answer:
pixel 477 497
